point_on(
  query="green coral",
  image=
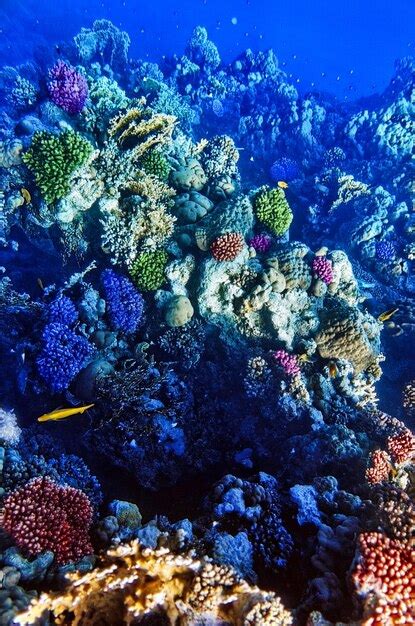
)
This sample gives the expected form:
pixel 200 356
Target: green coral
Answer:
pixel 148 270
pixel 273 210
pixel 156 164
pixel 53 158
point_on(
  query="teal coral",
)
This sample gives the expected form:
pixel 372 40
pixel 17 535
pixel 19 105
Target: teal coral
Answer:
pixel 53 158
pixel 155 163
pixel 273 210
pixel 148 270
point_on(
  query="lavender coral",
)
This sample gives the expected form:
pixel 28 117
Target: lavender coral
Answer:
pixel 288 362
pixel 125 304
pixel 67 88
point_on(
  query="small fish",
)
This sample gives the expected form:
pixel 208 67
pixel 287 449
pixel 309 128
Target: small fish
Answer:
pixel 282 184
pixel 61 414
pixel 304 358
pixel 333 371
pixel 386 315
pixel 26 195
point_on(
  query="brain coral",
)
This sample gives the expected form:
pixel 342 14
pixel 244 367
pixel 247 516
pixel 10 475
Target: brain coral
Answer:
pixel 133 582
pixel 273 210
pixel 347 334
pixel 45 516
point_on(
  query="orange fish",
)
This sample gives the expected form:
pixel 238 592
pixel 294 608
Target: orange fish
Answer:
pixel 282 184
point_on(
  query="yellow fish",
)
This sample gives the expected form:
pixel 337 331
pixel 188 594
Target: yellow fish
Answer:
pixel 386 315
pixel 332 370
pixel 304 358
pixel 282 184
pixel 61 414
pixel 26 195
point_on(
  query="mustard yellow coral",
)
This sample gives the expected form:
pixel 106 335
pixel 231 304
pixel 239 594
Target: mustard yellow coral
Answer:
pixel 132 581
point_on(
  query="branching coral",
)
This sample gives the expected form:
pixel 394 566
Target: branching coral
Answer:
pixel 67 88
pixel 125 305
pixel 141 130
pixel 53 158
pixel 227 247
pixel 132 582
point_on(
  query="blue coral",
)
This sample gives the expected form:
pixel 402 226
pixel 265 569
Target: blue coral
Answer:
pixel 385 251
pixel 284 169
pixel 62 311
pixel 62 356
pixel 125 304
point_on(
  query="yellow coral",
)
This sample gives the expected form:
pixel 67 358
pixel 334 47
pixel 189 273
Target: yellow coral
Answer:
pixel 132 581
pixel 142 128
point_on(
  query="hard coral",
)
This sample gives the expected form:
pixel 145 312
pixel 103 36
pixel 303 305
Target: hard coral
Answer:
pixel 288 362
pixel 273 210
pixel 148 270
pixel 227 247
pixel 53 158
pixel 133 582
pixel 67 88
pixel 261 242
pixel 379 467
pixel 62 356
pixel 125 305
pixel 384 579
pixel 45 516
pixel 323 269
pixel 401 447
pixel 62 310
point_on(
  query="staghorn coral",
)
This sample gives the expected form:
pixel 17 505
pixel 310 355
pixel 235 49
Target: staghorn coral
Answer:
pixel 45 516
pixel 141 131
pixel 132 581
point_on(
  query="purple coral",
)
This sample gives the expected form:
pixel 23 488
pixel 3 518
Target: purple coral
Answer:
pixel 67 88
pixel 288 362
pixel 261 242
pixel 323 269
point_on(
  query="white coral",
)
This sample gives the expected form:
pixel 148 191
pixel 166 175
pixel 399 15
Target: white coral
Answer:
pixel 9 430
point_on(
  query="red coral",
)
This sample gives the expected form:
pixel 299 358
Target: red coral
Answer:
pixel 227 247
pixel 401 447
pixel 379 467
pixel 384 578
pixel 42 515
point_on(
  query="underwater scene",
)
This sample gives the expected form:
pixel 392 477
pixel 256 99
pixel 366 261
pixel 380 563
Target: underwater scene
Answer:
pixel 207 313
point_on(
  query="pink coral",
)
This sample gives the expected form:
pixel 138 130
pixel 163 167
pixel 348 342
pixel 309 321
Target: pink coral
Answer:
pixel 288 362
pixel 323 269
pixel 384 578
pixel 401 447
pixel 379 467
pixel 261 242
pixel 42 515
pixel 227 247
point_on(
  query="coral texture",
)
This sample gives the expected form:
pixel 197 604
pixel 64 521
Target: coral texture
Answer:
pixel 67 88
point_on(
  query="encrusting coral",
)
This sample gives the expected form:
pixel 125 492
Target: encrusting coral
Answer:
pixel 131 582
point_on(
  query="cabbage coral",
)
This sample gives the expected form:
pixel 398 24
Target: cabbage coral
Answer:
pixel 273 210
pixel 53 158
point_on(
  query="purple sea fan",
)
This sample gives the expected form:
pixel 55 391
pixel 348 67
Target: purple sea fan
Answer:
pixel 125 304
pixel 67 88
pixel 288 362
pixel 261 242
pixel 323 269
pixel 283 169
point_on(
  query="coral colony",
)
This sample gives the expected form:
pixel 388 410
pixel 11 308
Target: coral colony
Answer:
pixel 229 337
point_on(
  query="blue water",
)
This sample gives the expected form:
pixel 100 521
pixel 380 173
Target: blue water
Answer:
pixel 207 310
pixel 348 48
